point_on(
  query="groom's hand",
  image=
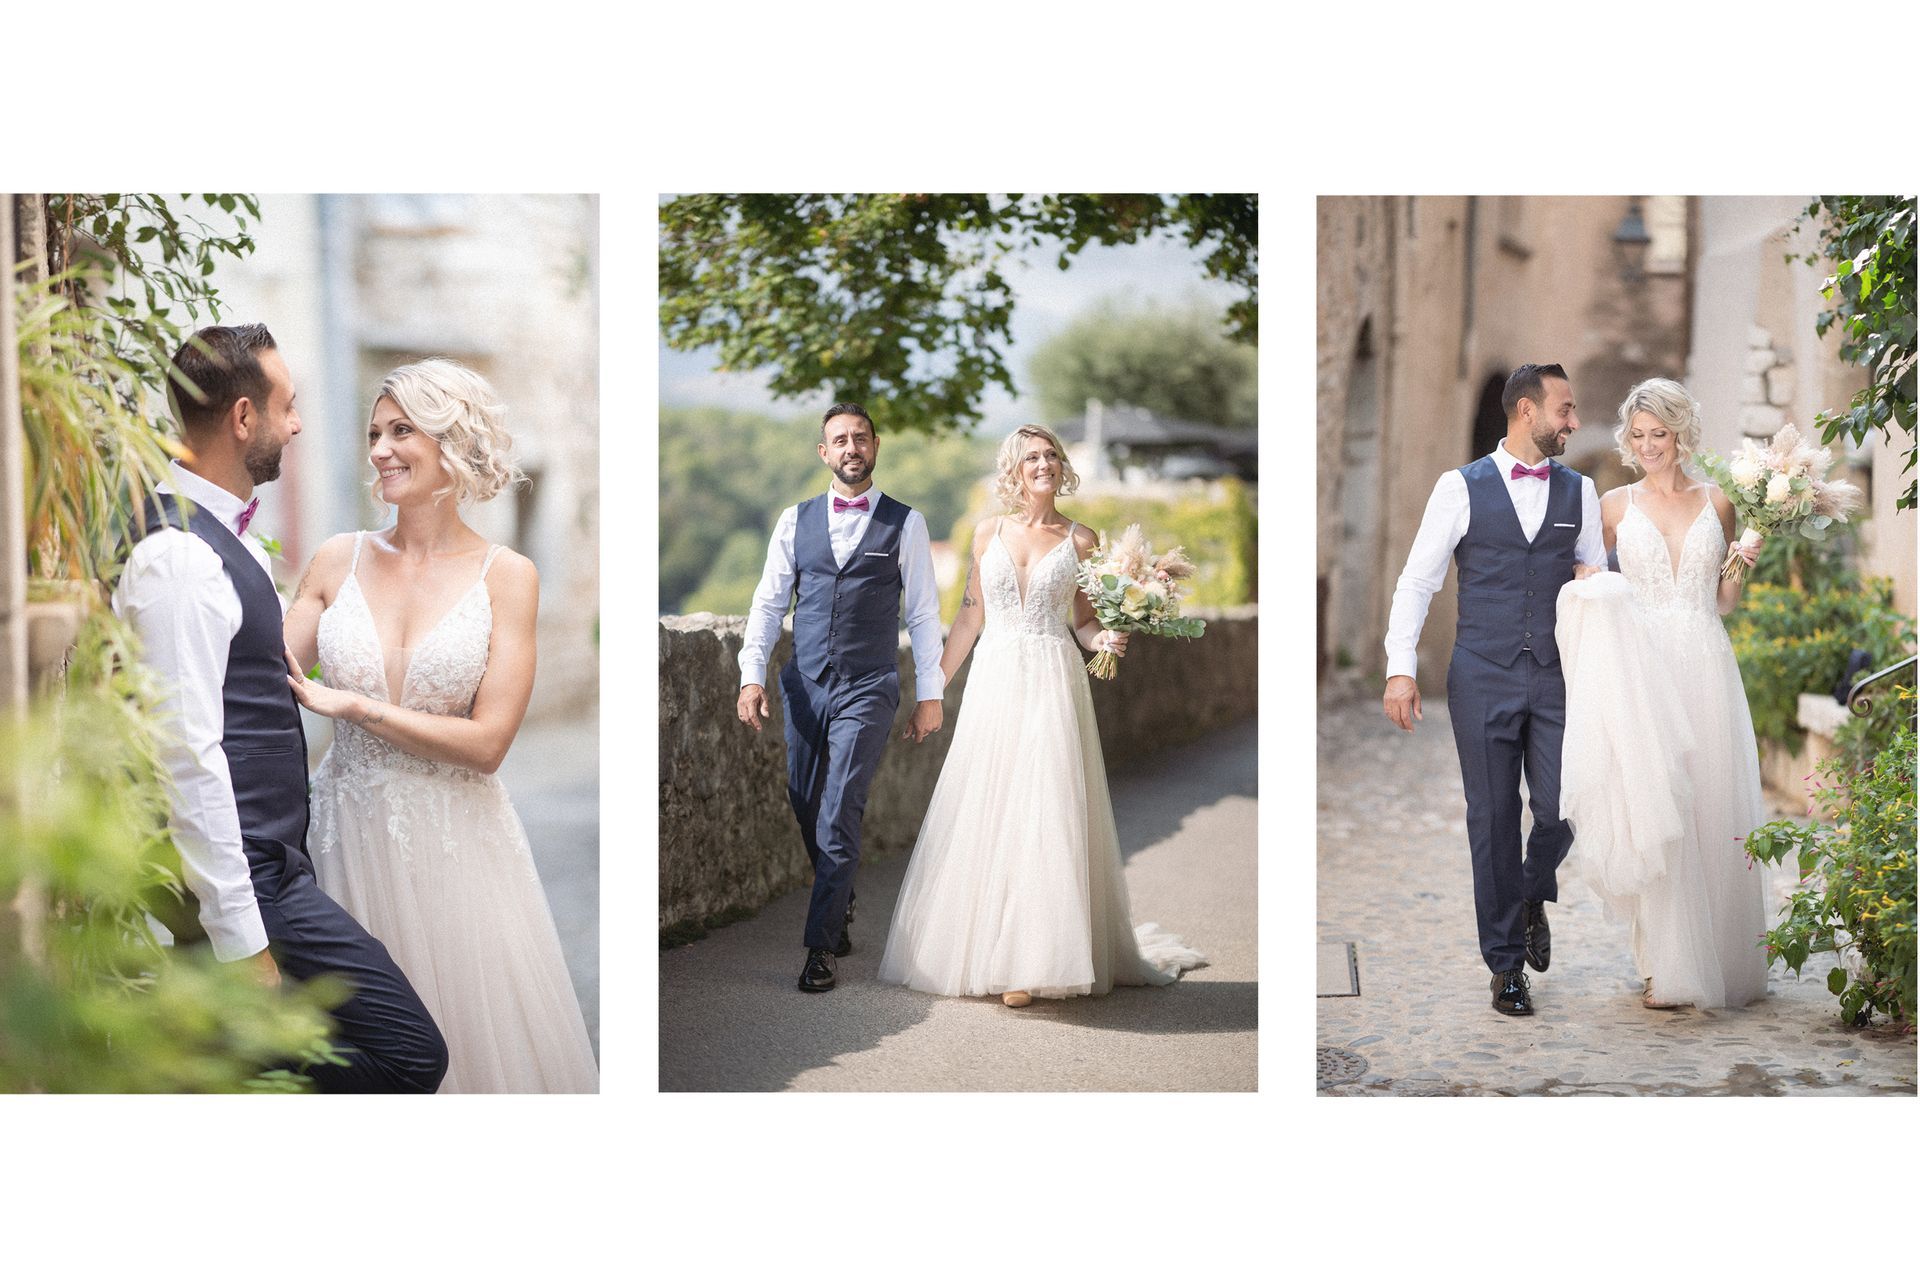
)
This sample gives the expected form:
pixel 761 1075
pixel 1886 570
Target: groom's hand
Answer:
pixel 265 971
pixel 925 721
pixel 1402 702
pixel 753 707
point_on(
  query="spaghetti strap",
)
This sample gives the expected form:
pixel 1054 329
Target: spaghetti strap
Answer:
pixel 354 567
pixel 492 551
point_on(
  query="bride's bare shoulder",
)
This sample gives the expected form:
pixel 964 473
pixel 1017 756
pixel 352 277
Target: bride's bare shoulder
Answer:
pixel 328 567
pixel 1614 501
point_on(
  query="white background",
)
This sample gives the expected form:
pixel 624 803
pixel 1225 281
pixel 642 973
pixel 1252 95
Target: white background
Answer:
pixel 1126 96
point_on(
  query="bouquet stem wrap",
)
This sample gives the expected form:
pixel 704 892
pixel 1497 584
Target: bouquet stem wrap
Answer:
pixel 1735 568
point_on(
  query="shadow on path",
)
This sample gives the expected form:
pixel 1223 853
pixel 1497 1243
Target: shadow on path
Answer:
pixel 731 1018
pixel 1153 796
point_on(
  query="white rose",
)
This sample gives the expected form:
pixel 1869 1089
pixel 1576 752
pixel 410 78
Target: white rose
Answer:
pixel 1744 470
pixel 1779 489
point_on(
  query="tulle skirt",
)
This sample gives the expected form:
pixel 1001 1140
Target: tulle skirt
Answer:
pixel 1660 778
pixel 435 864
pixel 1015 881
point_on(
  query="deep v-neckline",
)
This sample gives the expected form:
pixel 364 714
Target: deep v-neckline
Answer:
pixel 373 624
pixel 1673 563
pixel 1019 587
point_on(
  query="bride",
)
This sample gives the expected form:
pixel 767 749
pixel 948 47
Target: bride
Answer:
pixel 1661 775
pixel 1015 887
pixel 425 637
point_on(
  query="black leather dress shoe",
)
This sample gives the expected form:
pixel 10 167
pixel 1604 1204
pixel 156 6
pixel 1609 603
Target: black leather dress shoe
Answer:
pixel 1510 995
pixel 845 948
pixel 818 975
pixel 1539 937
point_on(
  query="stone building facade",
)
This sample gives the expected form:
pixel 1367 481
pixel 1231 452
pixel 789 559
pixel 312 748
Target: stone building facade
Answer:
pixel 1426 303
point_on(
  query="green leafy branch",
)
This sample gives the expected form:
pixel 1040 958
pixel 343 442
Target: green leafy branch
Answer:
pixel 1870 242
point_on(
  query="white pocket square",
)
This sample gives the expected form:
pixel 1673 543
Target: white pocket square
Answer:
pixel 1558 525
pixel 884 554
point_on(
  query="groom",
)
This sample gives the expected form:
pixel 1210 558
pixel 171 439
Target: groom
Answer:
pixel 199 595
pixel 1520 526
pixel 846 559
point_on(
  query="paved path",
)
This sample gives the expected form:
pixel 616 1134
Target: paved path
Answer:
pixel 731 1019
pixel 553 775
pixel 1394 879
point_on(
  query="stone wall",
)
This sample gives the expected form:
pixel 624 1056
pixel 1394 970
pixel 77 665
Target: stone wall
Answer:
pixel 728 841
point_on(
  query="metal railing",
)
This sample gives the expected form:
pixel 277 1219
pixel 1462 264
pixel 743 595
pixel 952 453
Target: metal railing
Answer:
pixel 1861 706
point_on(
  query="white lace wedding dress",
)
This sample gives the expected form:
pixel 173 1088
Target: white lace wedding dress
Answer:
pixel 1660 776
pixel 432 859
pixel 1015 882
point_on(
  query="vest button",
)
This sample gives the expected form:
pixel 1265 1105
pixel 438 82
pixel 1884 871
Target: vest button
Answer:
pixel 1529 635
pixel 1529 593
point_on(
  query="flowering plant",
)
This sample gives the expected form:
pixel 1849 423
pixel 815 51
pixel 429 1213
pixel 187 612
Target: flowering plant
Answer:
pixel 1131 589
pixel 1781 488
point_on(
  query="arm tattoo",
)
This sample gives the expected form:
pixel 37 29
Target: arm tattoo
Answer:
pixel 966 596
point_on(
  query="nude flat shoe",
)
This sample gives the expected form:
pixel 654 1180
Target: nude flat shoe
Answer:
pixel 1016 999
pixel 1647 1000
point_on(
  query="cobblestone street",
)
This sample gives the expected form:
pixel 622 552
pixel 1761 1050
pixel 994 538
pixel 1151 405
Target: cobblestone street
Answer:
pixel 1394 880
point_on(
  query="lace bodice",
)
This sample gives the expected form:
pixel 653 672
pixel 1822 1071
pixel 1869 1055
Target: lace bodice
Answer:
pixel 439 676
pixel 1686 593
pixel 1044 609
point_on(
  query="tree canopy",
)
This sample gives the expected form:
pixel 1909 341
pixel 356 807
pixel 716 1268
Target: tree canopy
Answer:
pixel 899 301
pixel 1176 363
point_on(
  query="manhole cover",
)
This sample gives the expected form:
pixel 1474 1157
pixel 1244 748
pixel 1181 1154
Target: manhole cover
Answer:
pixel 1337 1066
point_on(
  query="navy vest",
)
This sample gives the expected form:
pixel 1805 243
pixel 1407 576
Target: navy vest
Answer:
pixel 265 746
pixel 847 618
pixel 1508 586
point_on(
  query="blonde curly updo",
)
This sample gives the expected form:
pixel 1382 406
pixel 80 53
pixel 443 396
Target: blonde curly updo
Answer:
pixel 456 406
pixel 1669 402
pixel 1006 478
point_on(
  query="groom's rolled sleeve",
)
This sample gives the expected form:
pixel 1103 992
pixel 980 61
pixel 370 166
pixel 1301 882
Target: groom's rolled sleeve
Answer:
pixel 176 595
pixel 921 601
pixel 1591 549
pixel 1441 528
pixel 770 601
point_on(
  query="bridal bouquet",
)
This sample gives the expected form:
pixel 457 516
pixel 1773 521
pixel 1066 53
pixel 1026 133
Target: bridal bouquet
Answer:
pixel 1781 488
pixel 1131 589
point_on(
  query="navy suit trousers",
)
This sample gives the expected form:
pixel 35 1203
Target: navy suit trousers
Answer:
pixel 386 1035
pixel 836 734
pixel 1507 720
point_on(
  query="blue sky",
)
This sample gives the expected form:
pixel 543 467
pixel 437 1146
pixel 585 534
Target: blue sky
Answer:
pixel 1161 270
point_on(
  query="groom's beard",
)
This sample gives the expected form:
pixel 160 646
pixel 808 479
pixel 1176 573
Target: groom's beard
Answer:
pixel 1550 442
pixel 854 471
pixel 263 462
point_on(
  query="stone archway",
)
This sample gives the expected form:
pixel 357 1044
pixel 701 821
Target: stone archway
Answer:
pixel 1489 417
pixel 1357 584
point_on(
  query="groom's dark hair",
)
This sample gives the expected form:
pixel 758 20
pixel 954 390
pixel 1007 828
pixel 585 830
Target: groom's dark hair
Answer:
pixel 850 409
pixel 1529 382
pixel 215 367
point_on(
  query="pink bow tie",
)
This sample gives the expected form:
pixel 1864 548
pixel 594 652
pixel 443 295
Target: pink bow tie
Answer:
pixel 1538 473
pixel 842 504
pixel 246 517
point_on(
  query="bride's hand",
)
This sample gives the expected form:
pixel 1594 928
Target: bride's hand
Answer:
pixel 1749 551
pixel 1114 642
pixel 318 698
pixel 1587 571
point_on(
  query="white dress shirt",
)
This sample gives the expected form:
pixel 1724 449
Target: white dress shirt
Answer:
pixel 176 594
pixel 921 602
pixel 1449 511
